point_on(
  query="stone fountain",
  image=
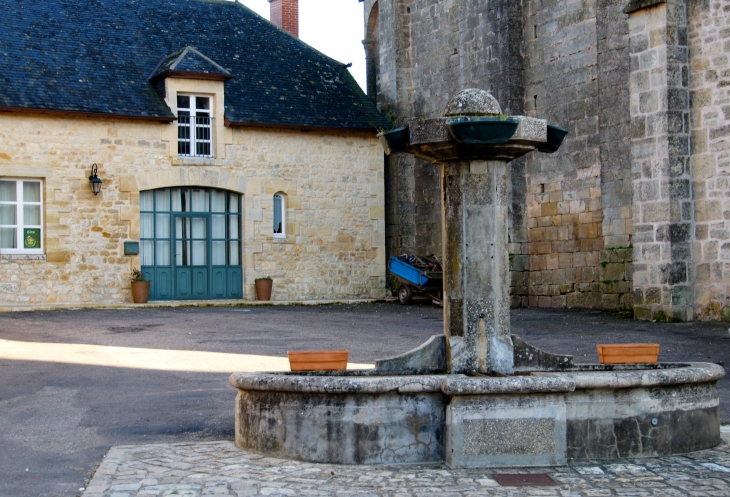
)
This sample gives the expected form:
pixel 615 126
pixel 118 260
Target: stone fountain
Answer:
pixel 478 396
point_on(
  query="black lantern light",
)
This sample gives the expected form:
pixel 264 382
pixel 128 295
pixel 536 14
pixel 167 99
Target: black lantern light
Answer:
pixel 95 181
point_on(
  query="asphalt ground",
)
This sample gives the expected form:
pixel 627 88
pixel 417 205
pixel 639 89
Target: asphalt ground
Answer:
pixel 75 383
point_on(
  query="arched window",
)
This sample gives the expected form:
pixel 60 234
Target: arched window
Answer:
pixel 372 54
pixel 279 216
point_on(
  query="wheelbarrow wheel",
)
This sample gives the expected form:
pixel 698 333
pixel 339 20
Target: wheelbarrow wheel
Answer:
pixel 404 295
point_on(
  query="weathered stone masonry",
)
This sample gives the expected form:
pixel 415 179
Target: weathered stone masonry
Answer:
pixel 332 180
pixel 631 213
pixel 519 51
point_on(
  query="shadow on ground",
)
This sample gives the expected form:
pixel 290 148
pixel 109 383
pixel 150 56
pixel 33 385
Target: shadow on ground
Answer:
pixel 58 420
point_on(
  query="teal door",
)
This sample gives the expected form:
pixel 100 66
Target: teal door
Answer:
pixel 190 243
pixel 191 257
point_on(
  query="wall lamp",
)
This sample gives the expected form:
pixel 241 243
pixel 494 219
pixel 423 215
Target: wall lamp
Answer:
pixel 94 181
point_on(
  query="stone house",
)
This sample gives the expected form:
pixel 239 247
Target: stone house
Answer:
pixel 633 212
pixel 227 150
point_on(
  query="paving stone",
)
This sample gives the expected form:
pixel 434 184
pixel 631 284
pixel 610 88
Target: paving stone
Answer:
pixel 221 469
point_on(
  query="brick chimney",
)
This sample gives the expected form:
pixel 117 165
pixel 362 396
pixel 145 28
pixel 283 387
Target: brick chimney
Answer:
pixel 285 14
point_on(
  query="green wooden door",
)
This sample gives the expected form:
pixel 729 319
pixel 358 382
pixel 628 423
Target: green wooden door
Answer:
pixel 190 243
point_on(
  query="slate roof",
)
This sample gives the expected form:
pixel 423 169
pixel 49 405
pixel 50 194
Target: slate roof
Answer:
pixel 95 56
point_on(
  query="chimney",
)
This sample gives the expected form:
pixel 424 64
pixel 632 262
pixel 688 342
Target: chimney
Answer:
pixel 285 14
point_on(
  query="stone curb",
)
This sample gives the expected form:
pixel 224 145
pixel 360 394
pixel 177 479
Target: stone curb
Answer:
pixel 191 303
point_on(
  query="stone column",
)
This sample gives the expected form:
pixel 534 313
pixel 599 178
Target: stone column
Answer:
pixel 660 130
pixel 476 266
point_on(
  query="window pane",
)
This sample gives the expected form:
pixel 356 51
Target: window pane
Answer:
pixel 200 201
pixel 182 228
pixel 278 221
pixel 31 191
pixel 7 238
pixel 31 215
pixel 147 252
pixel 179 253
pixel 233 202
pixel 183 133
pixel 162 200
pixel 146 226
pixel 202 148
pixel 7 191
pixel 202 132
pixel 183 101
pixel 146 202
pixel 218 257
pixel 199 228
pixel 233 227
pixel 202 102
pixel 218 201
pixel 180 199
pixel 162 225
pixel 162 253
pixel 233 255
pixel 7 214
pixel 218 225
pixel 199 256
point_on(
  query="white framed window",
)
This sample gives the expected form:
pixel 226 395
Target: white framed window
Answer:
pixel 21 216
pixel 279 216
pixel 194 126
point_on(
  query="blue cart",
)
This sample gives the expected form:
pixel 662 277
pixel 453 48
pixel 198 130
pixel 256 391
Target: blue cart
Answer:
pixel 414 280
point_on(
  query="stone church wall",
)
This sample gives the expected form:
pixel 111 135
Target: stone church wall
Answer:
pixel 579 198
pixel 573 56
pixel 709 50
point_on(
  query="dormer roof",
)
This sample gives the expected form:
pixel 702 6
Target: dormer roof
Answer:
pixel 189 63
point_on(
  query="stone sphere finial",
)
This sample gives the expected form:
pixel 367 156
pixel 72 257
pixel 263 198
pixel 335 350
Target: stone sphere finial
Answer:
pixel 473 102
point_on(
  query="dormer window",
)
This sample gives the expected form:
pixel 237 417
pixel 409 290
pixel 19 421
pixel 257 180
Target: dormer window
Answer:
pixel 194 126
pixel 193 84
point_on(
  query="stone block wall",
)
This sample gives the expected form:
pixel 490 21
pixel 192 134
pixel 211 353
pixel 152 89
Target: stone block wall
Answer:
pixel 709 81
pixel 578 199
pixel 660 127
pixel 333 183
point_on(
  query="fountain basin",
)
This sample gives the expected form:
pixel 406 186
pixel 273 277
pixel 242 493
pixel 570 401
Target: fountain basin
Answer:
pixel 394 140
pixel 536 419
pixel 555 137
pixel 481 130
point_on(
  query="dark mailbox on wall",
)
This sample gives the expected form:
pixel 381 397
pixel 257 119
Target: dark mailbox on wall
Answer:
pixel 131 248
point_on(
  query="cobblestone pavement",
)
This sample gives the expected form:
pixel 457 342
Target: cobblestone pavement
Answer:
pixel 221 469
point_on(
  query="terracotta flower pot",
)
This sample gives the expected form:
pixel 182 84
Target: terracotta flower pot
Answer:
pixel 263 289
pixel 140 292
pixel 628 353
pixel 318 360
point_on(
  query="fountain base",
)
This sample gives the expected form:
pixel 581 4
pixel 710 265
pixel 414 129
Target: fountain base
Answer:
pixel 536 419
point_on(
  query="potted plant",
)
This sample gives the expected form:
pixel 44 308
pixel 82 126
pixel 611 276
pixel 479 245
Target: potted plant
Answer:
pixel 628 353
pixel 263 288
pixel 318 360
pixel 140 287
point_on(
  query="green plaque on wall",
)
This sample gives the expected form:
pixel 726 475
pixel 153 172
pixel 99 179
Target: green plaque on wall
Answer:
pixel 32 238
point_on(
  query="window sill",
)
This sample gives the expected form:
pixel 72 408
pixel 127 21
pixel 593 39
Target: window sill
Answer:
pixel 23 257
pixel 280 239
pixel 194 161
